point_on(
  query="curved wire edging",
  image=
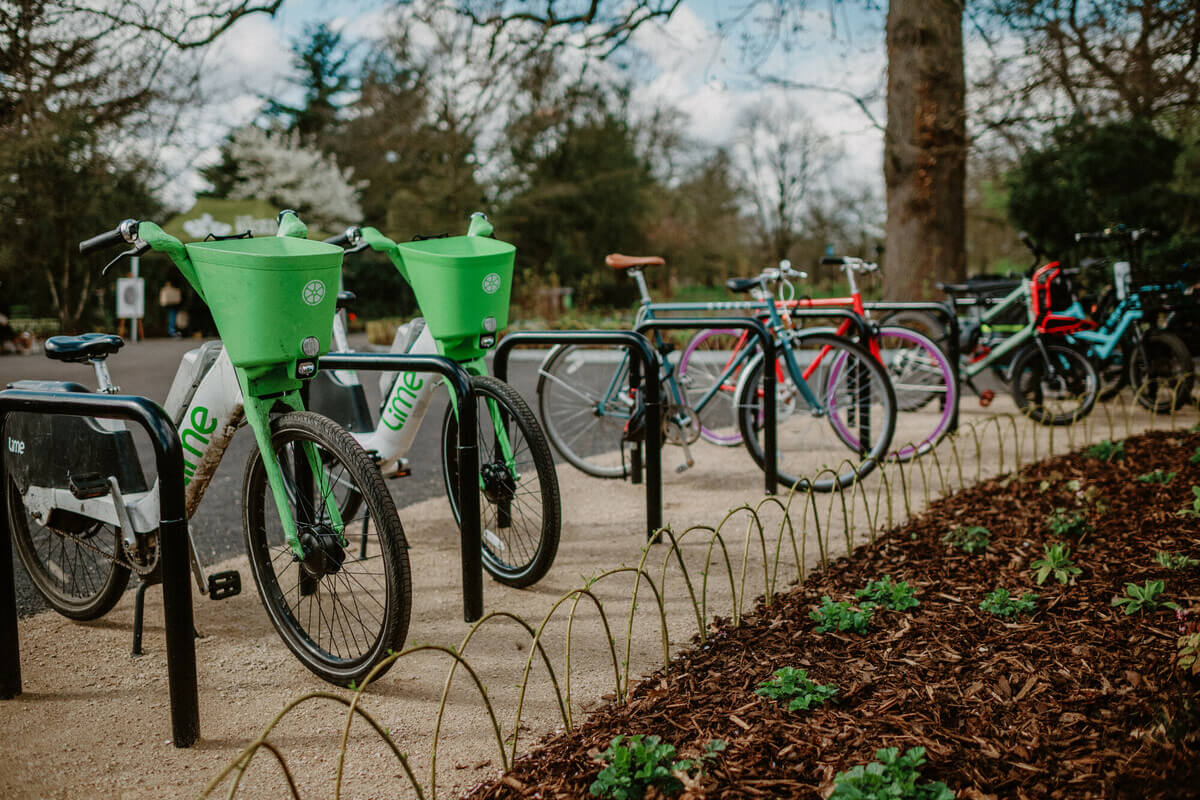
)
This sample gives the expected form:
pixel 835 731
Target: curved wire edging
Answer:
pixel 1014 440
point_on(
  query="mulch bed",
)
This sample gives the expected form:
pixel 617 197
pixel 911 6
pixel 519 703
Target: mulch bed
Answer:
pixel 1078 700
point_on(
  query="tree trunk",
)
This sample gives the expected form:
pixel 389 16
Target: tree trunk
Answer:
pixel 925 148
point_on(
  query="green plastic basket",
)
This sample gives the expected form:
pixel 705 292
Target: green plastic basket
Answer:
pixel 462 284
pixel 268 295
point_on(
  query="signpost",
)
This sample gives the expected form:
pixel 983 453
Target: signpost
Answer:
pixel 131 300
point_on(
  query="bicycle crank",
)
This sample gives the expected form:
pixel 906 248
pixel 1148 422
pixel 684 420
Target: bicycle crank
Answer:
pixel 681 426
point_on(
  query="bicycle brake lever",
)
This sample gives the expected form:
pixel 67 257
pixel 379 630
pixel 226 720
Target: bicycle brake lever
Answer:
pixel 140 250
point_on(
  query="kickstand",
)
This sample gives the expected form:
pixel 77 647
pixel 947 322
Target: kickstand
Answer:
pixel 139 606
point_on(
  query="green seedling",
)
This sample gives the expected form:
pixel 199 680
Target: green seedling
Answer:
pixel 793 686
pixel 896 596
pixel 1056 562
pixel 974 539
pixel 1106 451
pixel 1157 476
pixel 1175 560
pixel 891 777
pixel 1195 457
pixel 841 616
pixel 1003 604
pixel 1187 653
pixel 635 763
pixel 1068 526
pixel 1146 596
pixel 1194 511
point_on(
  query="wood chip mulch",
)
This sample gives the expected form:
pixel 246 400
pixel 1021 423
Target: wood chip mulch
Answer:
pixel 1078 700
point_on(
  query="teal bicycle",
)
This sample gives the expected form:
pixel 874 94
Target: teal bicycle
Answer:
pixel 835 405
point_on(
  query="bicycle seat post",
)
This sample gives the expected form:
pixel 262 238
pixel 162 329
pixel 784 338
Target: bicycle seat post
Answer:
pixel 103 379
pixel 643 290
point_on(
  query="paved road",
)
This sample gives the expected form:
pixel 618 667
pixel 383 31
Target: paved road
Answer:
pixel 149 367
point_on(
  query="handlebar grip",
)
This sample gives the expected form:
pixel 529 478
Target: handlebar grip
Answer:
pixel 103 241
pixel 342 239
pixel 834 261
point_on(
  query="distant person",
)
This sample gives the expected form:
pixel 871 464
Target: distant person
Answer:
pixel 169 297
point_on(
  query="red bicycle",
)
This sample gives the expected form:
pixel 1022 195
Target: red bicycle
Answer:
pixel 920 372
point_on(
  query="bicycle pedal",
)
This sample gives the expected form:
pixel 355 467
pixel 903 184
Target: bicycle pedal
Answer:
pixel 402 470
pixel 224 584
pixel 986 397
pixel 88 485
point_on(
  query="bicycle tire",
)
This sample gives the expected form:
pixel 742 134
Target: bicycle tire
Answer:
pixel 538 516
pixel 1167 385
pixel 1075 390
pixel 583 420
pixel 798 427
pixel 380 581
pixel 920 372
pixel 701 366
pixel 75 580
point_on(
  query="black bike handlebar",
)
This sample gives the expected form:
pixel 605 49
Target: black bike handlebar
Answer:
pixel 125 232
pixel 1111 234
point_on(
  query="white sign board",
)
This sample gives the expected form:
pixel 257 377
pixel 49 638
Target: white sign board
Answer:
pixel 131 298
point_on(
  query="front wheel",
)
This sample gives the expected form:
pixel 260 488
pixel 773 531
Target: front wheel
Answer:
pixel 518 487
pixel 346 606
pixel 585 403
pixel 1058 388
pixel 709 370
pixel 833 425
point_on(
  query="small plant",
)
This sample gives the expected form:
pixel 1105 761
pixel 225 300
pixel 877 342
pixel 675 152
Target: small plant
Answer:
pixel 1157 476
pixel 891 777
pixel 1056 562
pixel 635 763
pixel 1003 604
pixel 1194 511
pixel 896 596
pixel 1187 656
pixel 841 616
pixel 1068 526
pixel 793 685
pixel 1195 457
pixel 1106 451
pixel 1138 597
pixel 1175 560
pixel 974 539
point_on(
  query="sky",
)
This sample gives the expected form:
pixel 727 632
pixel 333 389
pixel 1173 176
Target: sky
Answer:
pixel 682 62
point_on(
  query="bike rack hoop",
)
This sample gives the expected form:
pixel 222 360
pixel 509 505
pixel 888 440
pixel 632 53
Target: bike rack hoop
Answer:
pixel 756 327
pixel 173 544
pixel 470 522
pixel 644 361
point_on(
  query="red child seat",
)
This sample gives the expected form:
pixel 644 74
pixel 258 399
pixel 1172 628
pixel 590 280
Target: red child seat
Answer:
pixel 1051 293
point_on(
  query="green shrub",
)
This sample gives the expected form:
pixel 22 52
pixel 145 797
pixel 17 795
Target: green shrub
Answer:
pixel 1138 597
pixel 1056 562
pixel 974 539
pixel 896 596
pixel 1003 604
pixel 794 686
pixel 841 616
pixel 1175 560
pixel 891 777
pixel 635 763
pixel 1106 451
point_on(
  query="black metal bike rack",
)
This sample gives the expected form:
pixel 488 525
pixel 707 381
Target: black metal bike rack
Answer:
pixel 949 320
pixel 760 331
pixel 643 361
pixel 459 381
pixel 172 543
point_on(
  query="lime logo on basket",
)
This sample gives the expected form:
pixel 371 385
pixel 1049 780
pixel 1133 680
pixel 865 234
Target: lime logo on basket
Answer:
pixel 313 292
pixel 491 282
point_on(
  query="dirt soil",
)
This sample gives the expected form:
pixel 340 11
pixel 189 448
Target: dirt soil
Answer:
pixel 1076 700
